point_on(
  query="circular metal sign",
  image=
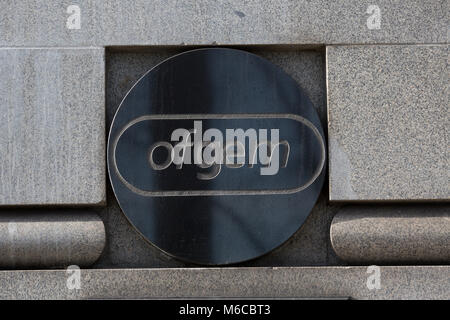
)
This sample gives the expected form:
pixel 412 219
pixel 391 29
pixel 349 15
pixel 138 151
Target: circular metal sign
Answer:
pixel 216 156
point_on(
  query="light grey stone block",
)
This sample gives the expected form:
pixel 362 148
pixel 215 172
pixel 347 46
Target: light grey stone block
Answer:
pixel 388 122
pixel 49 239
pixel 413 282
pixel 393 234
pixel 175 22
pixel 52 111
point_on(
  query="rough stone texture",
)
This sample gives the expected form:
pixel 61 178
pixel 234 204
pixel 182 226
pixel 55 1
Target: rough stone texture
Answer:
pixel 388 122
pixel 52 146
pixel 126 248
pixel 49 238
pixel 392 235
pixel 414 282
pixel 174 22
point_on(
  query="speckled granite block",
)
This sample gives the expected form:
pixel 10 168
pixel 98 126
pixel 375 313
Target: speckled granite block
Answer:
pixel 49 238
pixel 175 22
pixel 52 111
pixel 414 282
pixel 393 234
pixel 388 122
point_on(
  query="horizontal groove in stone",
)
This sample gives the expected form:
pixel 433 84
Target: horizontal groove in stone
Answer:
pixel 40 239
pixel 392 234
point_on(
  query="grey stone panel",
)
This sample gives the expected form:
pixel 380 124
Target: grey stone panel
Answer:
pixel 174 22
pixel 50 239
pixel 52 114
pixel 388 122
pixel 392 234
pixel 407 282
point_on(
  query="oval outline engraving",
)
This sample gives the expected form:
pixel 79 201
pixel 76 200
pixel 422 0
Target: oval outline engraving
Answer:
pixel 172 193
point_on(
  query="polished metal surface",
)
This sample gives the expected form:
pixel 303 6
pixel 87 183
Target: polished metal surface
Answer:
pixel 216 213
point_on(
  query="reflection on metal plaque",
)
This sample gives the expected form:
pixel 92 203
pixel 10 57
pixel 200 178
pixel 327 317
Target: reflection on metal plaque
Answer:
pixel 216 156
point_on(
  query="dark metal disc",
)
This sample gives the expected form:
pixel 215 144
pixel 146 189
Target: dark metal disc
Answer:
pixel 235 213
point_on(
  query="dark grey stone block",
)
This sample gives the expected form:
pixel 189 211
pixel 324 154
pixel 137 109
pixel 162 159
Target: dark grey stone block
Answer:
pixel 393 234
pixel 49 238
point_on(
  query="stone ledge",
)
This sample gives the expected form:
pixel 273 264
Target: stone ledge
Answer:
pixel 158 23
pixel 392 234
pixel 415 282
pixel 50 238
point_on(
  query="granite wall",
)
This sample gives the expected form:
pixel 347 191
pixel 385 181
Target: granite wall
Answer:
pixel 377 73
